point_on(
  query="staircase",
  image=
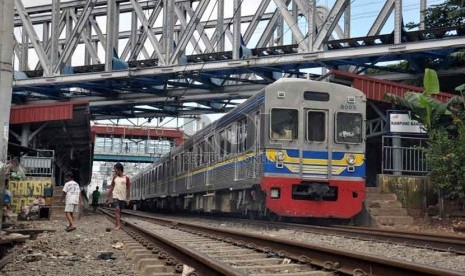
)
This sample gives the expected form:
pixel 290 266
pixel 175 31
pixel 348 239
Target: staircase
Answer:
pixel 57 209
pixel 385 210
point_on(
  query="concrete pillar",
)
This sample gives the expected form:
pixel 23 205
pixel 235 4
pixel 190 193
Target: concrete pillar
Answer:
pixel 6 81
pixel 25 135
pixel 397 155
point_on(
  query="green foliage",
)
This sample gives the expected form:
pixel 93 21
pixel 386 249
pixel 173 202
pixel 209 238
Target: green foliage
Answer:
pixel 446 150
pixel 448 14
pixel 425 109
pixel 446 157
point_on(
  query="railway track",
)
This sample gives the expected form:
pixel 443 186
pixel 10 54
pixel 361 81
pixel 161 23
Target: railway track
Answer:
pixel 444 243
pixel 213 251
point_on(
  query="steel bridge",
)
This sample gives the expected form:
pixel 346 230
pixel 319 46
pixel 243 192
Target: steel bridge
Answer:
pixel 132 58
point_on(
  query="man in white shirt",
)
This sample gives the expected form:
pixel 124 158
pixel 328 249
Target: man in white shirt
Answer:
pixel 119 191
pixel 72 192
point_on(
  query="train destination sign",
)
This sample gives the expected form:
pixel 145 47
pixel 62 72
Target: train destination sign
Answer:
pixel 402 123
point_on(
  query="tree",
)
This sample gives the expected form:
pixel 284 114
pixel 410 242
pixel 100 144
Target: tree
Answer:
pixel 448 14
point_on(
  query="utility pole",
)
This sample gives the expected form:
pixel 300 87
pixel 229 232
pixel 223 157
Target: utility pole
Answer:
pixel 6 78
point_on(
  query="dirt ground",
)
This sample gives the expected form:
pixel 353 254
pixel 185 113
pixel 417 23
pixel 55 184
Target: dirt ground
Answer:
pixel 439 225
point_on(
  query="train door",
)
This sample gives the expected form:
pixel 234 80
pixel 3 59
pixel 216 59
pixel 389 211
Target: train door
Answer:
pixel 316 157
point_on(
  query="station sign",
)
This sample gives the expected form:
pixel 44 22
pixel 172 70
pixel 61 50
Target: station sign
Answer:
pixel 401 122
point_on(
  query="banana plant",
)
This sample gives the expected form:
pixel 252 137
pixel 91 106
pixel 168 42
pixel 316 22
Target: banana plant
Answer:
pixel 423 106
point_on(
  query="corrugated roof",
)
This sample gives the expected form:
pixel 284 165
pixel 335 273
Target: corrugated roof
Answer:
pixel 23 114
pixel 375 89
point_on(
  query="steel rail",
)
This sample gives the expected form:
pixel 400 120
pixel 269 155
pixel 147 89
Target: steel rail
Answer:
pixel 202 263
pixel 341 261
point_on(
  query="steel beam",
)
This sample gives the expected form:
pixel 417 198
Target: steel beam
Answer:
pixel 398 22
pixel 33 36
pixel 291 22
pixel 383 16
pixel 56 31
pixel 330 23
pixel 187 33
pixel 219 27
pixel 236 29
pixel 112 33
pixel 148 30
pixel 302 58
pixel 74 36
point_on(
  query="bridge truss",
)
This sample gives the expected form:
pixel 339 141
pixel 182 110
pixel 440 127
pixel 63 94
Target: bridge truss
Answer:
pixel 160 58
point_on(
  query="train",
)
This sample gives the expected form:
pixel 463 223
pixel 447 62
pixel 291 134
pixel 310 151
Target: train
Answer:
pixel 294 149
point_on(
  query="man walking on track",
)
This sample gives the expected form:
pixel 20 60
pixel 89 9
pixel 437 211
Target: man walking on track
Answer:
pixel 119 192
pixel 72 192
pixel 95 197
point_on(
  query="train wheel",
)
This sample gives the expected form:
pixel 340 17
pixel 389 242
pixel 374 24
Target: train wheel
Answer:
pixel 273 217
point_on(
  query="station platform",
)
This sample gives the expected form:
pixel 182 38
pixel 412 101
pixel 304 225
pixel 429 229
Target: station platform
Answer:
pixel 88 250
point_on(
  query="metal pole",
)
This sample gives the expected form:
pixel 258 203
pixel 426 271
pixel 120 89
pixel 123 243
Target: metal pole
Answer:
pixel 422 14
pixel 237 29
pixel 6 78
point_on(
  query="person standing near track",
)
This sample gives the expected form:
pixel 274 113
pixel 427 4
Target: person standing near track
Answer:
pixel 72 193
pixel 119 192
pixel 95 197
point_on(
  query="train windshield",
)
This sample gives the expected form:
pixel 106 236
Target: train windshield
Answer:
pixel 348 128
pixel 284 124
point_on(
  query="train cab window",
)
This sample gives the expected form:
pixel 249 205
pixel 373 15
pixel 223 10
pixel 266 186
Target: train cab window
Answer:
pixel 348 128
pixel 316 126
pixel 284 124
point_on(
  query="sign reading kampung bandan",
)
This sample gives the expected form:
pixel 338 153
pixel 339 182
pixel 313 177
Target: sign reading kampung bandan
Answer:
pixel 402 123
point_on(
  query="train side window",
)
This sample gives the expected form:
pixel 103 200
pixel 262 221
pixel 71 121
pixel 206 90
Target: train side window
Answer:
pixel 210 148
pixel 241 135
pixel 316 126
pixel 223 143
pixel 348 128
pixel 284 124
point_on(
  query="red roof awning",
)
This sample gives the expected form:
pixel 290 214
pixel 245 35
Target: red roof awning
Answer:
pixel 33 113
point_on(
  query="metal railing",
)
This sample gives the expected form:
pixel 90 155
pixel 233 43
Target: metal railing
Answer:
pixel 404 155
pixel 40 164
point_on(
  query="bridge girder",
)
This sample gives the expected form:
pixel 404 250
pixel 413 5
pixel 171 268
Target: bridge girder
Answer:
pixel 153 63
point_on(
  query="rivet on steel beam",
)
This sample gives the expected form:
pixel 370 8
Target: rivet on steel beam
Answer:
pixel 162 255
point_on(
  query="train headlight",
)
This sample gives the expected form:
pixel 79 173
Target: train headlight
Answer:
pixel 275 193
pixel 350 159
pixel 280 156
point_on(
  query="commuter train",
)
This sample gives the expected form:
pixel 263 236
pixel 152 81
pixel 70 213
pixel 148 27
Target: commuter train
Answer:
pixel 294 149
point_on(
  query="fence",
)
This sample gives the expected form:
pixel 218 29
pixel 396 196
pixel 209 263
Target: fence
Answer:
pixel 40 164
pixel 404 155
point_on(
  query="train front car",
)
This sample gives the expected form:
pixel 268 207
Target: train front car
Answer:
pixel 314 163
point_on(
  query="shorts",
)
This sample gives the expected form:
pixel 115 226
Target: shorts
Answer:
pixel 119 204
pixel 70 208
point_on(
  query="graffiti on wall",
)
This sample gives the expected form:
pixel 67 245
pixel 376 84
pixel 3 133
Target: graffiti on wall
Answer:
pixel 26 191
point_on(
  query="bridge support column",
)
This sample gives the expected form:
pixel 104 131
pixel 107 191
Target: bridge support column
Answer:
pixel 237 29
pixel 6 81
pixel 398 22
pixel 25 131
